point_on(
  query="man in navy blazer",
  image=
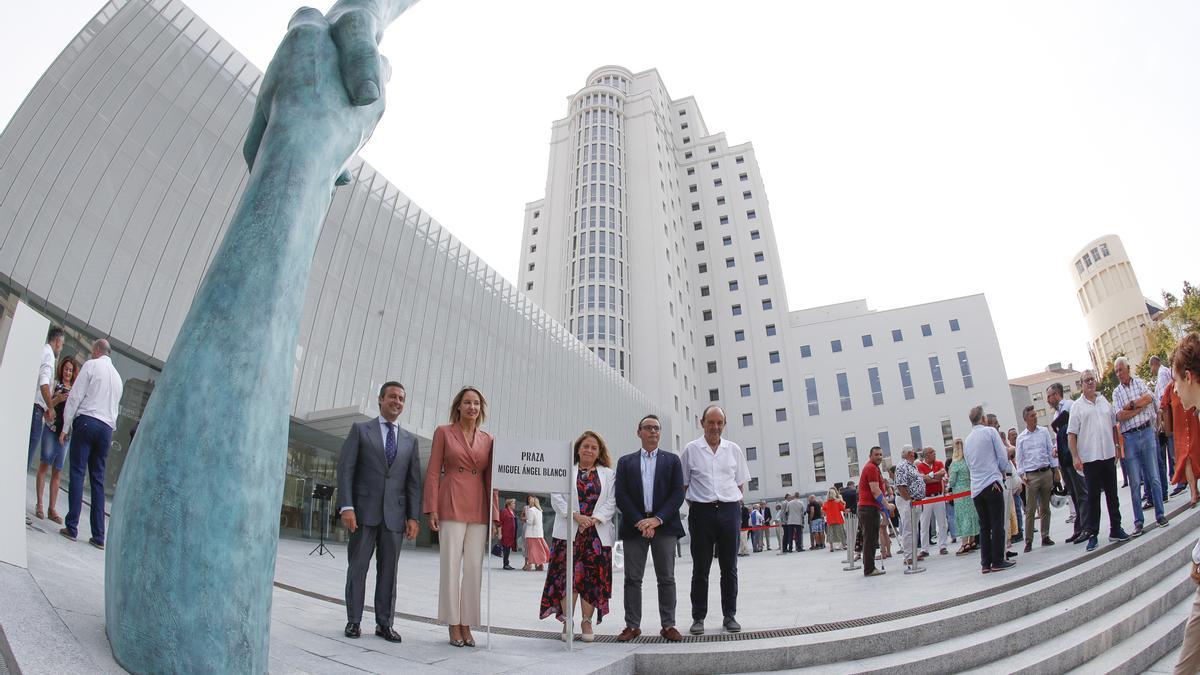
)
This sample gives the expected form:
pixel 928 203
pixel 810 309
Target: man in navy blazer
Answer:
pixel 649 494
pixel 379 500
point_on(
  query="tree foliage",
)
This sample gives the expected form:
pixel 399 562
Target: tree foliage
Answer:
pixel 1180 317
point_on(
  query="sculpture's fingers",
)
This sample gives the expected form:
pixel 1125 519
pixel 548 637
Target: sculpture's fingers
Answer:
pixel 343 178
pixel 307 16
pixel 354 33
pixel 258 126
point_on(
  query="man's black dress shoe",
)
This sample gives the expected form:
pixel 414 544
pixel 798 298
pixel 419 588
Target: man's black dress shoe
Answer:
pixel 387 633
pixel 352 630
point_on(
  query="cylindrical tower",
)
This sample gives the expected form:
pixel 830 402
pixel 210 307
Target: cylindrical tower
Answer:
pixel 597 297
pixel 1111 300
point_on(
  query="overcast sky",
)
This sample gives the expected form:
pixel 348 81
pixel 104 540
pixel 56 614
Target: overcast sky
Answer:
pixel 910 151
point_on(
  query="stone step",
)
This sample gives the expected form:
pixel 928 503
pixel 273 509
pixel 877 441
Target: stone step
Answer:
pixel 1153 648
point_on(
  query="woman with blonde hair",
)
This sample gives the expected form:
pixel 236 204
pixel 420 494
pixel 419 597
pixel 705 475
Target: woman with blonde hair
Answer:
pixel 536 552
pixel 590 521
pixel 457 492
pixel 966 519
pixel 835 519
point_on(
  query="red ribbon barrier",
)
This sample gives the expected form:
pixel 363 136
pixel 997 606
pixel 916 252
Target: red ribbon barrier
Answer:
pixel 941 498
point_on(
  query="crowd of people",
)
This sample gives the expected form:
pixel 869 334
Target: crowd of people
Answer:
pixel 75 411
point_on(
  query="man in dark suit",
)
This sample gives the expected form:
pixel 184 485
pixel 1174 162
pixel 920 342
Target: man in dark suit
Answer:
pixel 649 494
pixel 1072 481
pixel 379 499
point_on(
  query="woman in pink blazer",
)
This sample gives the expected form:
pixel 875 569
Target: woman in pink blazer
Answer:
pixel 457 485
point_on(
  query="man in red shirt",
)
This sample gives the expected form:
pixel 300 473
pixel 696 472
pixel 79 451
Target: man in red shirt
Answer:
pixel 934 473
pixel 870 490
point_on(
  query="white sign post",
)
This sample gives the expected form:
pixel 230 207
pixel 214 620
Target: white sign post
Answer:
pixel 534 467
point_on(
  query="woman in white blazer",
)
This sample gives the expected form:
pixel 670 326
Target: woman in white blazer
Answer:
pixel 537 554
pixel 590 518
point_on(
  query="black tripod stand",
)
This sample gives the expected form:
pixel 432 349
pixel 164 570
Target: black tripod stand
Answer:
pixel 323 493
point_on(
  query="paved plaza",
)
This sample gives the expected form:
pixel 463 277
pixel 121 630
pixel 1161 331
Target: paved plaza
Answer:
pixel 54 614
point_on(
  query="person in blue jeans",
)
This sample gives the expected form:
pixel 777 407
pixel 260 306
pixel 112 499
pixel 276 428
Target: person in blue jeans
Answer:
pixel 88 421
pixel 1136 415
pixel 43 396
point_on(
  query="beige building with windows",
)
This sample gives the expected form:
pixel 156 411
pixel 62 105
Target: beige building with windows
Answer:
pixel 1031 390
pixel 1116 311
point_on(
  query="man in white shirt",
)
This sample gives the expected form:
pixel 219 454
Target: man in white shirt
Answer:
pixel 714 478
pixel 1092 434
pixel 43 406
pixel 1037 465
pixel 89 421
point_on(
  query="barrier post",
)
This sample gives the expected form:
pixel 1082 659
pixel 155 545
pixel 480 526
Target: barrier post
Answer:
pixel 851 535
pixel 915 567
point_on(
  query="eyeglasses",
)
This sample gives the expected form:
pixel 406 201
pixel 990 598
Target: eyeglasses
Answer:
pixel 651 429
pixel 1087 380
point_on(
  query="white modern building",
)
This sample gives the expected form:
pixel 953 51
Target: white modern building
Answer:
pixel 1031 389
pixel 654 243
pixel 120 172
pixel 1116 311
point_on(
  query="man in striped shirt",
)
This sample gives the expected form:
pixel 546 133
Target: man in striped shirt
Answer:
pixel 1135 414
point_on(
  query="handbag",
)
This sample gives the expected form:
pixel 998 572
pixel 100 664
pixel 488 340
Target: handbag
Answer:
pixel 497 551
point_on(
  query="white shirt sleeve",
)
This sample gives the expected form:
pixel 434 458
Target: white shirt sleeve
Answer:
pixel 742 475
pixel 1196 553
pixel 76 396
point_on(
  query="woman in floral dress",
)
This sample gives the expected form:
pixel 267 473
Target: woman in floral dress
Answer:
pixel 590 520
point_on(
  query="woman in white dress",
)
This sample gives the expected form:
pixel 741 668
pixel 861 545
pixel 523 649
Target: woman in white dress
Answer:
pixel 536 551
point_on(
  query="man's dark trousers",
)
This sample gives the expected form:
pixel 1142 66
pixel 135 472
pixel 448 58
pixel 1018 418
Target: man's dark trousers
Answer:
pixel 90 439
pixel 1076 488
pixel 387 553
pixel 868 525
pixel 714 524
pixel 990 506
pixel 1101 477
pixel 662 548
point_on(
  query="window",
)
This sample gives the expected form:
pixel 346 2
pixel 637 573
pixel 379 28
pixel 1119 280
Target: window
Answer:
pixel 852 454
pixel 953 325
pixel 534 231
pixel 751 215
pixel 743 362
pixel 713 394
pixel 714 165
pixel 805 351
pixel 529 286
pixel 868 341
pixel 835 346
pixel 691 169
pixel 739 159
pixel 810 390
pixel 818 449
pixel 885 443
pixel 720 201
pixel 729 262
pixel 773 357
pixel 687 139
pixel 926 331
pixel 947 436
pixel 683 125
pixel 746 194
pixel 739 335
pixel 706 315
pixel 743 177
pixel 776 385
pixel 965 367
pixel 876 385
pixel 897 335
pixel 736 310
pixel 914 433
pixel 531 267
pixel 754 236
pixel 935 369
pixel 766 303
pixel 702 268
pixel 781 414
pixel 751 453
pixel 770 330
pixel 724 220
pixel 704 291
pixel 745 390
pixel 712 367
pixel 733 284
pixel 695 206
pixel 753 485
pixel 533 248
pixel 747 419
pixel 692 188
pixel 717 182
pixel 683 112
pixel 906 381
pixel 758 256
pixel 785 479
pixel 843 384
pixel 785 449
pixel 710 341
pixel 727 240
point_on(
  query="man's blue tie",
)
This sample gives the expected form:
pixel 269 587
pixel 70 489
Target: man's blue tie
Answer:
pixel 389 447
